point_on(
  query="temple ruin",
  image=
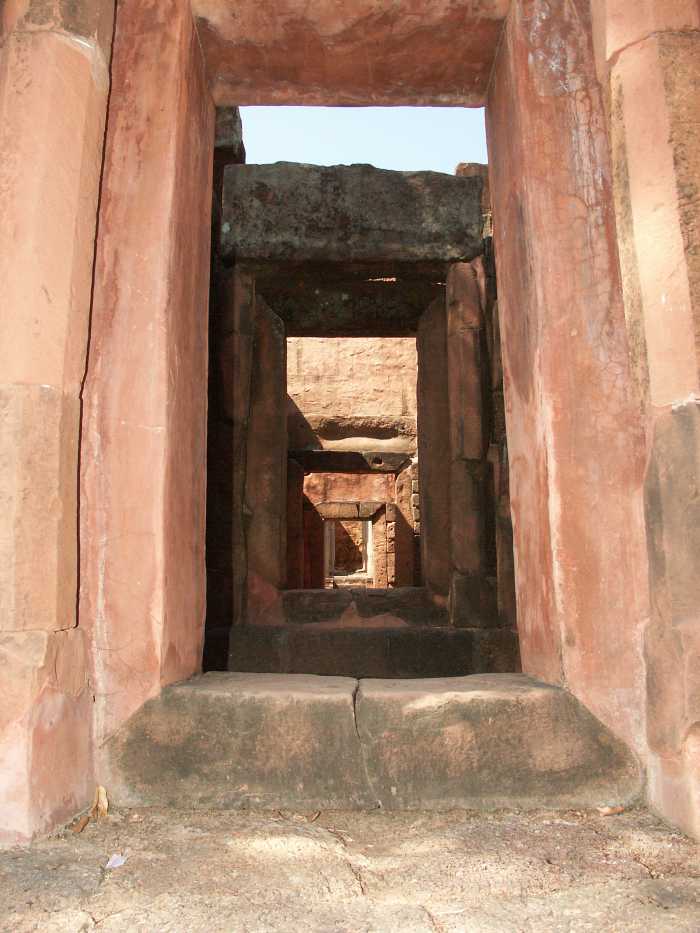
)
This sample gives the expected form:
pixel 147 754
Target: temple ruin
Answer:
pixel 337 487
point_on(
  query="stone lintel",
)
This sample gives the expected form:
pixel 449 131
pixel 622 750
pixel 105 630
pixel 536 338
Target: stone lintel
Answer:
pixel 349 299
pixel 292 212
pixel 349 511
pixel 350 461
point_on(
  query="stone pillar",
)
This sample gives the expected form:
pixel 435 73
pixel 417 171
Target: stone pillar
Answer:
pixel 224 326
pixel 144 428
pixel 380 562
pixel 575 437
pixel 403 530
pixel 314 570
pixel 649 62
pixel 236 368
pixel 472 603
pixel 434 450
pixel 54 81
pixel 266 469
pixel 295 526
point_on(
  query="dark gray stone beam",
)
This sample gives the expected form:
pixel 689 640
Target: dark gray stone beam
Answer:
pixel 292 212
pixel 349 461
pixel 350 299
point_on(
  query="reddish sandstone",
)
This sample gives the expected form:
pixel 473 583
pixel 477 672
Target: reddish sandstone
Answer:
pixel 361 53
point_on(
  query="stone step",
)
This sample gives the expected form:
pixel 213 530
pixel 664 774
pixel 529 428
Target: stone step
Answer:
pixel 370 649
pixel 410 605
pixel 234 740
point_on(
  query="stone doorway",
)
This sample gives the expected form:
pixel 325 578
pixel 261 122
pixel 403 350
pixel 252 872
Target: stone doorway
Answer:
pixel 364 367
pixel 111 384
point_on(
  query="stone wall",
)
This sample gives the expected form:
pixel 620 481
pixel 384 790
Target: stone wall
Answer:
pixel 352 393
pixel 649 67
pixel 54 83
pixel 143 453
pixel 575 442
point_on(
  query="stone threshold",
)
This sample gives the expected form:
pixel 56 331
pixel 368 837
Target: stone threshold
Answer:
pixel 237 740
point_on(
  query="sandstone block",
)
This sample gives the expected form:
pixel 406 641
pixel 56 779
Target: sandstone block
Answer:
pixel 342 299
pixel 434 448
pixel 144 423
pixel 468 506
pixel 672 638
pixel 488 741
pixel 89 21
pixel 45 715
pixel 305 742
pixel 379 646
pixel 288 211
pixel 38 508
pixel 242 740
pixel 363 53
pixel 49 202
pixel 266 467
pixel 655 90
pixel 228 133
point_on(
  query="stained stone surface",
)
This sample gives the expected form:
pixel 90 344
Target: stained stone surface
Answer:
pixel 348 213
pixel 234 740
pixel 361 53
pixel 218 872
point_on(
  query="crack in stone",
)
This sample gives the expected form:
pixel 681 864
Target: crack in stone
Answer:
pixel 437 927
pixel 363 755
pixel 357 872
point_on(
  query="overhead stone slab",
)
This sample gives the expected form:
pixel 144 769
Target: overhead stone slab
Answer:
pixel 288 212
pixel 349 299
pixel 366 52
pixel 350 461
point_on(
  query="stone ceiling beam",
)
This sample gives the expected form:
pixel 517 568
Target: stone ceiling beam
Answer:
pixel 349 461
pixel 349 299
pixel 364 53
pixel 288 212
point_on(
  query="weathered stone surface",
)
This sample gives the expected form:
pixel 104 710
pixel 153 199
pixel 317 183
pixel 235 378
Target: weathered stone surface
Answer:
pixel 144 418
pixel 348 510
pixel 89 22
pixel 266 466
pixel 374 872
pixel 655 88
pixel 575 482
pixel 465 361
pixel 292 212
pixel 355 605
pixel 434 448
pixel 286 52
pixel 467 170
pixel 350 463
pixel 45 710
pixel 38 508
pixel 405 567
pixel 337 487
pixel 352 394
pixel 374 645
pixel 45 274
pixel 672 638
pixel 241 740
pixel 486 742
pixel 350 299
pixel 295 525
pixel 228 134
pixel 54 81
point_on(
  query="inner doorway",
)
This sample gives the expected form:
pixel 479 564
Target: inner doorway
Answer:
pixel 353 260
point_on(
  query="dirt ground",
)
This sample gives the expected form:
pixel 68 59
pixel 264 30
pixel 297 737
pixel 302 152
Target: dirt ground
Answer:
pixel 356 872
